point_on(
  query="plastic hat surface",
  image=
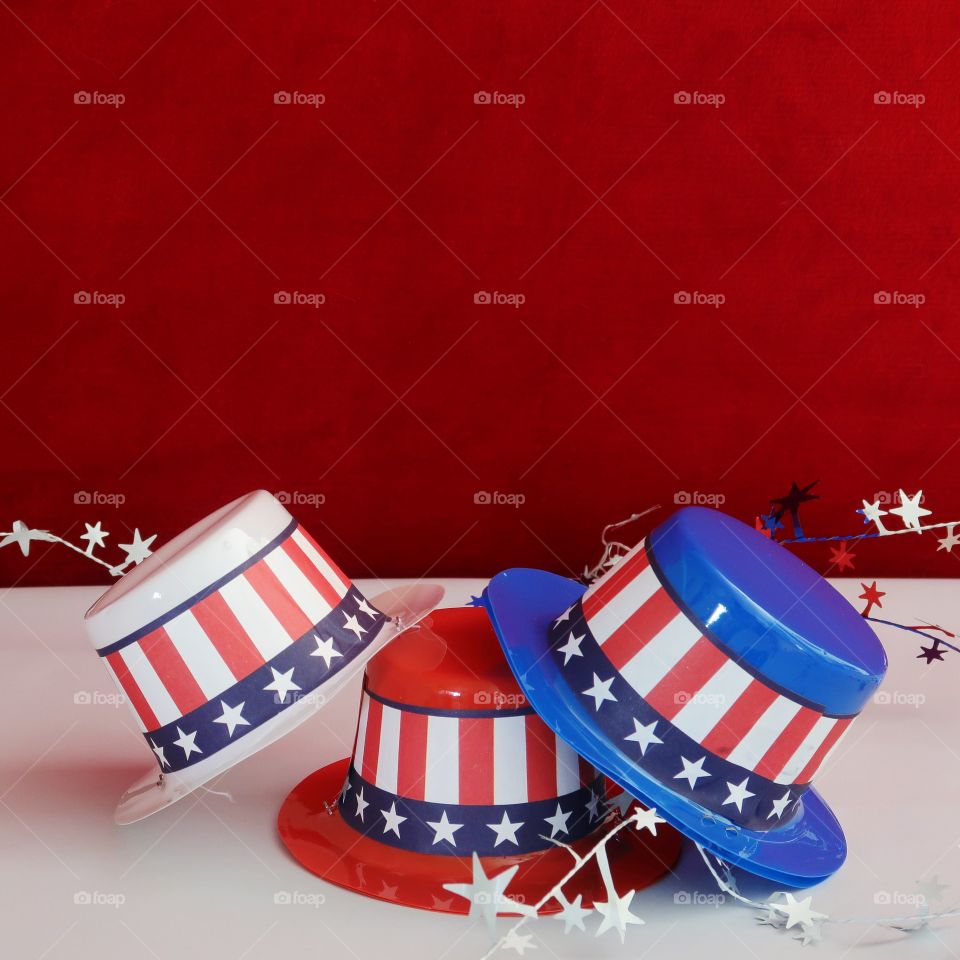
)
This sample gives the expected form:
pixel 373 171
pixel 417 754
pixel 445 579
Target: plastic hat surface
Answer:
pixel 450 761
pixel 710 673
pixel 229 636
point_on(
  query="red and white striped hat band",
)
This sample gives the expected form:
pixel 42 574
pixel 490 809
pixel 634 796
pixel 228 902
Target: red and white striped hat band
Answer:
pixel 242 649
pixel 492 782
pixel 687 712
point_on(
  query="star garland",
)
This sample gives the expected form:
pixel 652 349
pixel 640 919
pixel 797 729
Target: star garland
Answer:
pixel 783 911
pixel 136 551
pixel 488 897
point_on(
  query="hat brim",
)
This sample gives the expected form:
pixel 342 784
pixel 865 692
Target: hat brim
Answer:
pixel 320 839
pixel 523 604
pixel 151 793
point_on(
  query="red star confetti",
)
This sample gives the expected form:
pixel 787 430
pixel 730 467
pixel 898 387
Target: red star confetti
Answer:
pixel 872 595
pixel 842 557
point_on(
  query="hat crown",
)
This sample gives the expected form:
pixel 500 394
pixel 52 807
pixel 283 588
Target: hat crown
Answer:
pixel 450 661
pixel 445 736
pixel 769 609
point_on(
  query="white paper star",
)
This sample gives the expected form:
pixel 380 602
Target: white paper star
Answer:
pixel 21 535
pixel 798 911
pixel 571 648
pixel 139 549
pixel 738 793
pixel 771 917
pixel 600 691
pixel 779 806
pixel 505 830
pixel 910 510
pixel 809 933
pixel 616 914
pixel 353 624
pixel 325 649
pixel 949 541
pixel 392 819
pixel 646 819
pixel 94 536
pixel 361 804
pixel 572 914
pixel 486 894
pixel 518 942
pixel 592 805
pixel 187 742
pixel 444 829
pixel 365 607
pixel 644 734
pixel 873 512
pixel 232 717
pixel 558 822
pixel 691 772
pixel 164 762
pixel 932 890
pixel 282 683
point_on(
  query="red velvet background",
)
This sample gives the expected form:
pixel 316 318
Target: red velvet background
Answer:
pixel 399 198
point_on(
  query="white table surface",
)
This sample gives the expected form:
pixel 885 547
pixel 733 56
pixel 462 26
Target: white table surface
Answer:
pixel 199 879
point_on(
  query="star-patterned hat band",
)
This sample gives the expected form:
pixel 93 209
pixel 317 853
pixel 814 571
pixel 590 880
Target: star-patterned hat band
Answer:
pixel 241 650
pixel 669 693
pixel 493 782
